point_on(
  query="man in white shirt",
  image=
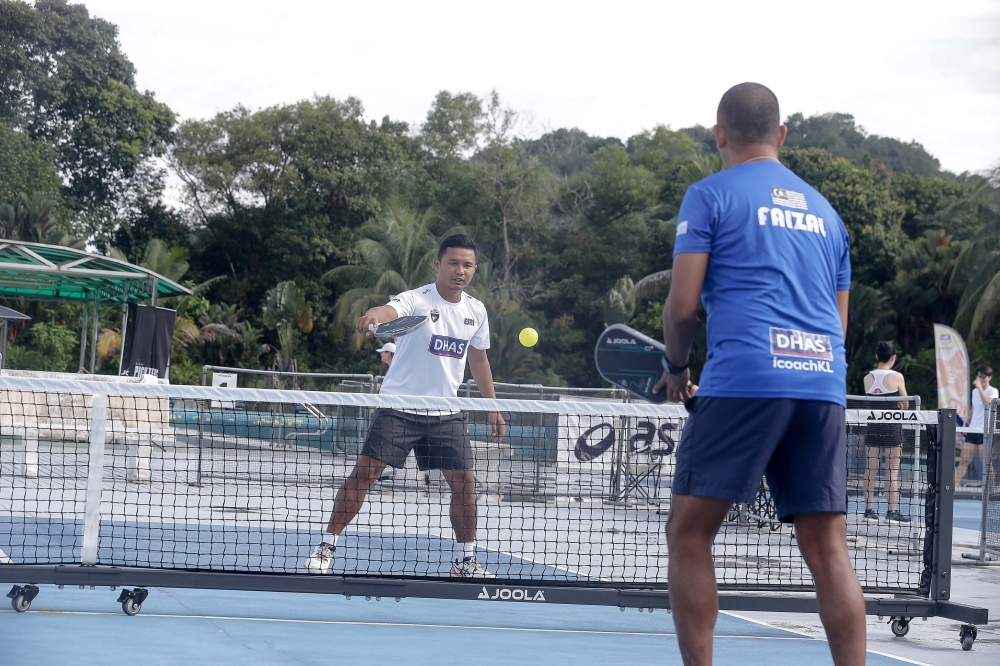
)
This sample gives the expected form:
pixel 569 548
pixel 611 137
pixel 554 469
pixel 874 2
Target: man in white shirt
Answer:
pixel 982 394
pixel 430 361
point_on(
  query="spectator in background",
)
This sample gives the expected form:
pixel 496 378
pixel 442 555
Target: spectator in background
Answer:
pixel 387 351
pixel 884 439
pixel 982 394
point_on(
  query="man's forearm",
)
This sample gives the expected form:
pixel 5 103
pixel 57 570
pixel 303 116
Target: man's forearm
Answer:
pixel 678 336
pixel 483 374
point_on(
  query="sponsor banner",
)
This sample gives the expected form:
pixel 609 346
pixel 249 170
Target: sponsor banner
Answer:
pixel 952 371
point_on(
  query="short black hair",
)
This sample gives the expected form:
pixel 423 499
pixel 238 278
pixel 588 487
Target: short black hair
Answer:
pixel 884 351
pixel 984 370
pixel 457 240
pixel 749 114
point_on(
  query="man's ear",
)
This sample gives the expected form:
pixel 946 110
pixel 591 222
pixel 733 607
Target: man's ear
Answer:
pixel 437 264
pixel 782 135
pixel 720 136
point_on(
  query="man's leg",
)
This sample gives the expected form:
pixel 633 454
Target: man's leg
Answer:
pixel 351 496
pixel 691 529
pixel 968 454
pixel 822 539
pixel 464 512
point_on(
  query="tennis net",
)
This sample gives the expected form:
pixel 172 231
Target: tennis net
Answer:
pixel 243 480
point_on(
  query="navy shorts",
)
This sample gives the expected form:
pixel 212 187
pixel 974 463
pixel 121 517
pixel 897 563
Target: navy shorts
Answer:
pixel 437 442
pixel 800 445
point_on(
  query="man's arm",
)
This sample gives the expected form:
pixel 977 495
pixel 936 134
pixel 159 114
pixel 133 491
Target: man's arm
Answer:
pixel 680 318
pixel 376 315
pixel 843 296
pixel 479 364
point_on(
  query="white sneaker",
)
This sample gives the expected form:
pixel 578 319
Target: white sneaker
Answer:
pixel 319 561
pixel 470 568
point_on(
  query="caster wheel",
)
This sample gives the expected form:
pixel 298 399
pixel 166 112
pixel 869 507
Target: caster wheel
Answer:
pixel 20 604
pixel 131 607
pixel 968 637
pixel 900 628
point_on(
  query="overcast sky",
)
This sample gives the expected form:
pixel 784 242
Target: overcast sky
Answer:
pixel 928 71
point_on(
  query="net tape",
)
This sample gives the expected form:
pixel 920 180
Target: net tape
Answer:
pixel 198 478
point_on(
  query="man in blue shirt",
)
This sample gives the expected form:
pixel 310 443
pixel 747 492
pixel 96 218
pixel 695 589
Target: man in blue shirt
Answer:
pixel 769 258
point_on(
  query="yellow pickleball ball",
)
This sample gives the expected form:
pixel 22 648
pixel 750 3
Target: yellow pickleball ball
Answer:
pixel 528 337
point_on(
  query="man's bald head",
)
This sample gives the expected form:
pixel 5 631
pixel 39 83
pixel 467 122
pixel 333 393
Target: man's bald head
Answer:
pixel 749 114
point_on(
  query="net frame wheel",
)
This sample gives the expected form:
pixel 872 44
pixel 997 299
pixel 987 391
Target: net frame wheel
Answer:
pixel 968 636
pixel 131 608
pixel 19 603
pixel 900 626
pixel 21 597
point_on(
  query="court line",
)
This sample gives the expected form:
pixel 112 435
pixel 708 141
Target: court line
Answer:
pixel 415 625
pixel 802 633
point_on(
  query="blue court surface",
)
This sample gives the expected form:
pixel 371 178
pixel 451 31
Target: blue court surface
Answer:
pixel 178 626
pixel 968 514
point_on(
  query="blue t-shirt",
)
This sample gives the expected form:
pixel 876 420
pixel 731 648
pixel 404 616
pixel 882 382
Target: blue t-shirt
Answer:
pixel 778 255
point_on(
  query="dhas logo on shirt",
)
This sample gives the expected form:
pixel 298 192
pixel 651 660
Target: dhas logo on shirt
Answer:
pixel 442 345
pixel 789 342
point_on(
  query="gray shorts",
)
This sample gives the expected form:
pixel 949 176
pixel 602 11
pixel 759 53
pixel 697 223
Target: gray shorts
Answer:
pixel 437 442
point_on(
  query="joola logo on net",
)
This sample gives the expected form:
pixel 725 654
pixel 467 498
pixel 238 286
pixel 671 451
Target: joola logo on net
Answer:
pixel 892 416
pixel 509 594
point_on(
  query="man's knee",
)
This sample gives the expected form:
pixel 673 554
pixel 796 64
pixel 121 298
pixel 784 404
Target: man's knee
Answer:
pixel 366 471
pixel 821 536
pixel 695 520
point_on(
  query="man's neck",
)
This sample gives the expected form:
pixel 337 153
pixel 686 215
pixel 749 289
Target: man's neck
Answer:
pixel 754 152
pixel 448 294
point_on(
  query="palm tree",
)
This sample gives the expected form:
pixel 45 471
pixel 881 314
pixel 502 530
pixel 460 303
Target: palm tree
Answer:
pixel 397 253
pixel 288 313
pixel 33 220
pixel 980 305
pixel 170 262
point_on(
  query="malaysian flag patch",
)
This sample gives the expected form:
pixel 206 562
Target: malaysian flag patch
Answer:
pixel 788 198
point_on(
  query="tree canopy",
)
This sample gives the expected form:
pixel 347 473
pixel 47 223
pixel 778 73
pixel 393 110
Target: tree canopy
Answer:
pixel 296 217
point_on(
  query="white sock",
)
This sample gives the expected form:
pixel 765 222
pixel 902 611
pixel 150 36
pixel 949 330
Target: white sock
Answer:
pixel 469 549
pixel 331 539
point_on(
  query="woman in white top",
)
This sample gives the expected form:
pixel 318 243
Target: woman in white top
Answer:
pixel 884 440
pixel 982 394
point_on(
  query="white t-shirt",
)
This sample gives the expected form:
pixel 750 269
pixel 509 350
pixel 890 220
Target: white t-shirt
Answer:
pixel 979 409
pixel 431 359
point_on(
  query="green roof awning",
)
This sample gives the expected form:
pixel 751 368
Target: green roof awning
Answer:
pixel 54 273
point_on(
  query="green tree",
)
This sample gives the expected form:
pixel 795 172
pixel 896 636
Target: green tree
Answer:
pixel 979 262
pixel 288 313
pixel 510 361
pixel 33 220
pixel 861 196
pixel 509 177
pixel 396 253
pixel 839 135
pixel 26 166
pixel 66 83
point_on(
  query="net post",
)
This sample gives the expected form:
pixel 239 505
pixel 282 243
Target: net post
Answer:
pixel 95 479
pixel 989 473
pixel 945 513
